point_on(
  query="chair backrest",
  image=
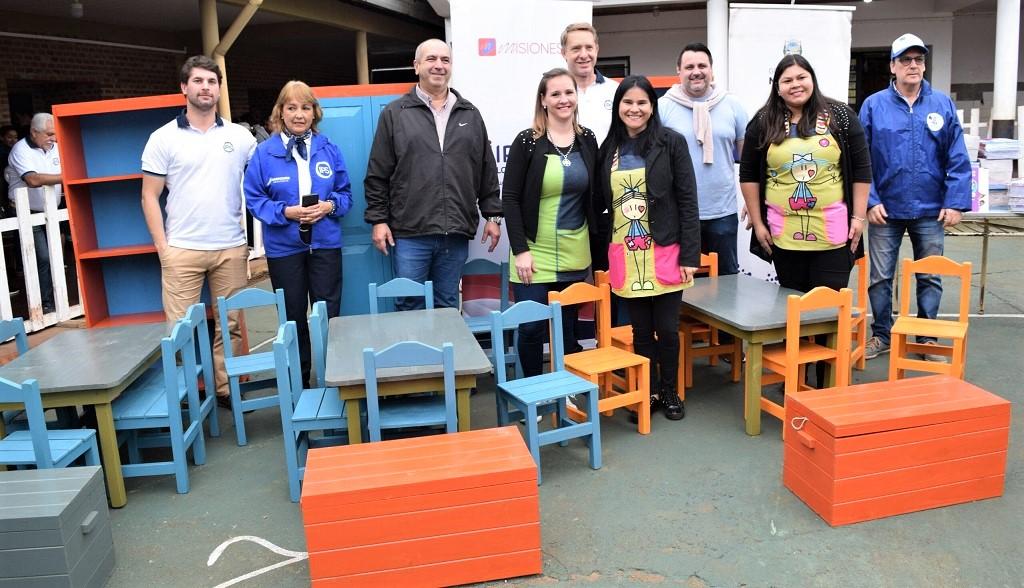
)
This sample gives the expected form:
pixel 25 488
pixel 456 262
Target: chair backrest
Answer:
pixel 318 341
pixel 527 311
pixel 400 287
pixel 27 394
pixel 486 267
pixel 938 265
pixel 288 368
pixel 822 298
pixel 243 299
pixel 14 328
pixel 179 349
pixel 600 296
pixel 708 265
pixel 408 354
pixel 196 316
pixel 860 300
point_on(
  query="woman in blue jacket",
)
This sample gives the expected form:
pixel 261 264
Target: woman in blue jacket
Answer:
pixel 303 243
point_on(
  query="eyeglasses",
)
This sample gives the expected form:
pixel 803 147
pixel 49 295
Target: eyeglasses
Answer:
pixel 906 59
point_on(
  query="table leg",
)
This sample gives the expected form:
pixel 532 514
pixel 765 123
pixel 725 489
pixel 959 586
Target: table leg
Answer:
pixel 984 266
pixel 462 408
pixel 355 424
pixel 111 457
pixel 752 389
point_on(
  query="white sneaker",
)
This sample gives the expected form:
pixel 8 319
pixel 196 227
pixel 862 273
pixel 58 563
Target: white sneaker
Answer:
pixel 933 356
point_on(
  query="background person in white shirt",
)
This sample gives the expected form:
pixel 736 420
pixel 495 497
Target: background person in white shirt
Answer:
pixel 595 92
pixel 199 158
pixel 34 162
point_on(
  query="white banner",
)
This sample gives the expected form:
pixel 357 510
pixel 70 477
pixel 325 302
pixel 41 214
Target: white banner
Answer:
pixel 759 36
pixel 500 48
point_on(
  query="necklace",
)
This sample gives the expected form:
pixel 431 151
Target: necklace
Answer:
pixel 566 162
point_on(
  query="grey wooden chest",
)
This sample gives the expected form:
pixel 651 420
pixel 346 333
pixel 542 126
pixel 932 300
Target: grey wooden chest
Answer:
pixel 54 529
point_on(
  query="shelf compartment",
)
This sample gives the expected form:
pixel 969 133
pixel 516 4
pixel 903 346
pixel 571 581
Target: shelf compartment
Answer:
pixel 130 319
pixel 104 179
pixel 117 251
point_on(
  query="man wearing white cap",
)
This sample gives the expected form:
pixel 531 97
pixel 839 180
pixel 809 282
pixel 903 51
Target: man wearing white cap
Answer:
pixel 921 183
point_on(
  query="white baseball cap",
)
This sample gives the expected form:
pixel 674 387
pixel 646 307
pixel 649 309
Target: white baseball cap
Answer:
pixel 904 42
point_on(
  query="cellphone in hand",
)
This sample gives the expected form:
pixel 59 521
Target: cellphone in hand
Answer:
pixel 309 200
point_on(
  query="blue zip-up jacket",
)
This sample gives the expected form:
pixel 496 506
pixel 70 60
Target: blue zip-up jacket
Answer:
pixel 919 161
pixel 272 183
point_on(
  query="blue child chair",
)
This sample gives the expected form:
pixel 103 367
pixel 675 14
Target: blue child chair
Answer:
pixel 303 411
pixel 196 314
pixel 406 412
pixel 403 287
pixel 544 393
pixel 37 445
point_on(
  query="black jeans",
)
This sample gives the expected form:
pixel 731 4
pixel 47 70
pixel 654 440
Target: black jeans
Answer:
pixel 533 336
pixel 306 278
pixel 806 270
pixel 657 315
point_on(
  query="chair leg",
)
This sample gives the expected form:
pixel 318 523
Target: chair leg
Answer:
pixel 502 407
pixel 236 411
pixel 643 424
pixel 895 355
pixel 594 439
pixel 214 421
pixel 133 447
pixel 180 462
pixel 533 435
pixel 92 456
pixel 687 345
pixel 291 463
pixel 561 412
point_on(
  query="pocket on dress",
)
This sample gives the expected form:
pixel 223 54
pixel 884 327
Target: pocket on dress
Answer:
pixel 616 266
pixel 666 264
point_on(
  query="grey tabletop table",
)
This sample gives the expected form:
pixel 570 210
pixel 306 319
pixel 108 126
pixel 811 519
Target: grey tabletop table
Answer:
pixel 349 335
pixel 755 311
pixel 91 367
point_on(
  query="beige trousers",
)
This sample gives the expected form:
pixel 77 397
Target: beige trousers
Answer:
pixel 183 273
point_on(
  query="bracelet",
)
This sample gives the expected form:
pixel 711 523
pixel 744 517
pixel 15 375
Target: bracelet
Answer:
pixel 334 208
pixel 857 218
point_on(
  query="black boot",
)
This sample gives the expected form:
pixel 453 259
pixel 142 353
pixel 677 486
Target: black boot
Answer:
pixel 656 405
pixel 672 406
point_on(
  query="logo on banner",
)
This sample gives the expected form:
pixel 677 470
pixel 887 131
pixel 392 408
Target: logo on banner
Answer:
pixel 487 47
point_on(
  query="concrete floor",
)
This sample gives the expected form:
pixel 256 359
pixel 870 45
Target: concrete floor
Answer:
pixel 697 503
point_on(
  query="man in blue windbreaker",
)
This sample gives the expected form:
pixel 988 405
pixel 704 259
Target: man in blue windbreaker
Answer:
pixel 921 182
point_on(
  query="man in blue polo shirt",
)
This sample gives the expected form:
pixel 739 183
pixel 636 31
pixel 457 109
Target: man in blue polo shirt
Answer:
pixel 921 183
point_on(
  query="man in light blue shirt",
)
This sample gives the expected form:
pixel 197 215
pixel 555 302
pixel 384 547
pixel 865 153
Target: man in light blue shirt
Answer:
pixel 713 124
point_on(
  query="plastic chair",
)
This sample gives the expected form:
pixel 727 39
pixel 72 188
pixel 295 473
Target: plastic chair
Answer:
pixel 196 314
pixel 400 287
pixel 693 331
pixel 37 445
pixel 251 364
pixel 154 401
pixel 907 325
pixel 859 322
pixel 406 412
pixel 598 364
pixel 545 393
pixel 482 324
pixel 303 411
pixel 786 360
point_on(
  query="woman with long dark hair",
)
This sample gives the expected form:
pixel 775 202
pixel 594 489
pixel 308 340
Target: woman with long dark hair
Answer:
pixel 652 229
pixel 805 174
pixel 546 197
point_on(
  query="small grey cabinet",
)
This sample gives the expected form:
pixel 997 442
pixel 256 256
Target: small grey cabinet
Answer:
pixel 54 529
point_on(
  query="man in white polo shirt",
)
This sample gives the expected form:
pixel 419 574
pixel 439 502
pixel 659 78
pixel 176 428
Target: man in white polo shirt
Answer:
pixel 199 158
pixel 34 163
pixel 594 91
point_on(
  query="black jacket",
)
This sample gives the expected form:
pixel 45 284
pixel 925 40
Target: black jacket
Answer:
pixel 524 174
pixel 854 162
pixel 416 188
pixel 671 194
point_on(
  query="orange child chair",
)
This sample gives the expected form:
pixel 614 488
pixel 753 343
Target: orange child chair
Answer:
pixel 693 331
pixel 859 323
pixel 907 326
pixel 786 360
pixel 598 364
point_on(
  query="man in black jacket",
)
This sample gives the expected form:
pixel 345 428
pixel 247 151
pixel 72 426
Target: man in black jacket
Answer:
pixel 430 169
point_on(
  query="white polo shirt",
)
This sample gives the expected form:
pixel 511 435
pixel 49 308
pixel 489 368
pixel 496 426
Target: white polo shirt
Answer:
pixel 27 158
pixel 203 172
pixel 595 106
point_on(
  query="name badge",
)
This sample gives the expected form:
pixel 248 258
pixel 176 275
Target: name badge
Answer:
pixel 935 121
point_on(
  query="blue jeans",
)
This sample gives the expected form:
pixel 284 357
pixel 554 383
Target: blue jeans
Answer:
pixel 926 238
pixel 43 264
pixel 438 258
pixel 718 235
pixel 533 336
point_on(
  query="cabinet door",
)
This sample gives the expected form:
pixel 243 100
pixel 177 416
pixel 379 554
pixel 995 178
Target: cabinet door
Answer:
pixel 350 123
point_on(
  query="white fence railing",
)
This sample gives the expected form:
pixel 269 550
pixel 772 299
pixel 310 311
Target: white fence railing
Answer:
pixel 22 225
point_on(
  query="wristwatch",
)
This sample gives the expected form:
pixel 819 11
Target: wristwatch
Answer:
pixel 494 219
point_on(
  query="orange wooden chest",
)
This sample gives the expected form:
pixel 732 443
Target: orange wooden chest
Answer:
pixel 427 511
pixel 875 450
